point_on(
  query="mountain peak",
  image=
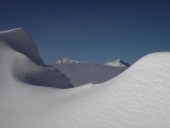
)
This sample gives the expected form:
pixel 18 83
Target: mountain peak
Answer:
pixel 118 63
pixel 66 60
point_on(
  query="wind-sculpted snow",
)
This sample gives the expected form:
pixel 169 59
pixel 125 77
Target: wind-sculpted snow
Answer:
pixel 19 58
pixel 20 41
pixel 137 98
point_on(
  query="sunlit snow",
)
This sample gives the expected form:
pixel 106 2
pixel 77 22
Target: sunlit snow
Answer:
pixel 137 98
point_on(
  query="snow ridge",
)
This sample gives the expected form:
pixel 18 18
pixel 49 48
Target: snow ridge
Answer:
pixel 21 41
pixel 137 98
pixel 20 60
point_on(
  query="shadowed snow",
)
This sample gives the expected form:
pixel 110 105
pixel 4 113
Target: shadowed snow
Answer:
pixel 19 58
pixel 84 73
pixel 137 98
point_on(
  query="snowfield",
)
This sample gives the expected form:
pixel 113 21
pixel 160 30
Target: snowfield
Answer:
pixel 137 98
pixel 81 73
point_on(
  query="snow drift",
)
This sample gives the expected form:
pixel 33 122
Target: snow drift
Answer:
pixel 19 58
pixel 137 98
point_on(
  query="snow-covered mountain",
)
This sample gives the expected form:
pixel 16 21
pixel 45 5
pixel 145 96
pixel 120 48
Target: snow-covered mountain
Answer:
pixel 66 60
pixel 118 63
pixel 81 73
pixel 137 98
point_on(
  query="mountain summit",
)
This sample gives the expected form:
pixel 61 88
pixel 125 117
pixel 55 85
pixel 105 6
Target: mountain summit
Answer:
pixel 66 60
pixel 118 63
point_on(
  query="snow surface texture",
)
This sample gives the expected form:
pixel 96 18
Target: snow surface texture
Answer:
pixel 81 73
pixel 20 60
pixel 137 98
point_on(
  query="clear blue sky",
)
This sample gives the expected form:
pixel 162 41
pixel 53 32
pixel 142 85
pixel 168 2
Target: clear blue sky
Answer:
pixel 91 30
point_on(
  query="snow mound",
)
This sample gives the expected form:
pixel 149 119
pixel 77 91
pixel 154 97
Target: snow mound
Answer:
pixel 66 60
pixel 118 63
pixel 20 60
pixel 20 41
pixel 137 98
pixel 152 67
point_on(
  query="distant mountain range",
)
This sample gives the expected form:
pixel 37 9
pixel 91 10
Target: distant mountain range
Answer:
pixel 81 73
pixel 66 60
pixel 115 63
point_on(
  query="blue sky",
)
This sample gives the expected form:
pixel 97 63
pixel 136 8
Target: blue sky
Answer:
pixel 92 30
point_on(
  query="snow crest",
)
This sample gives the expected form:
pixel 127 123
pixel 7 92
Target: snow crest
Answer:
pixel 19 58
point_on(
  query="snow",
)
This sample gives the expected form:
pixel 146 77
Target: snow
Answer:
pixel 20 60
pixel 137 98
pixel 66 60
pixel 84 73
pixel 117 63
pixel 22 42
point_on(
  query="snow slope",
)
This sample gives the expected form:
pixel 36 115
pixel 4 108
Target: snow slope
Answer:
pixel 137 98
pixel 20 60
pixel 83 73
